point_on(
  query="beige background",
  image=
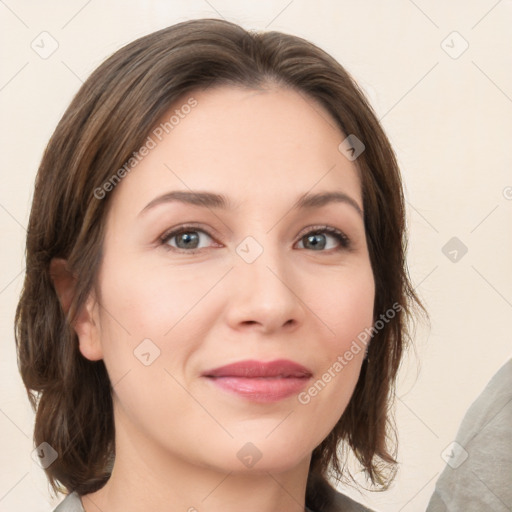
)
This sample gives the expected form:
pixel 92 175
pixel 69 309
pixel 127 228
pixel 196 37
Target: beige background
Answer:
pixel 450 120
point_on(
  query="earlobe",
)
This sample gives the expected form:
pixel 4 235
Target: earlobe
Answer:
pixel 86 326
pixel 86 323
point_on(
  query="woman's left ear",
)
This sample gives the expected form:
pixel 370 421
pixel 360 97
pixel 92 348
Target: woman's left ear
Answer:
pixel 86 323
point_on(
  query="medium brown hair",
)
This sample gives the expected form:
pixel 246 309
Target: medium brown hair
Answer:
pixel 110 118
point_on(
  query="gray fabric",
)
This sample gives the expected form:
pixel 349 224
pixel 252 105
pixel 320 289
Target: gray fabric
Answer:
pixel 323 497
pixel 483 481
pixel 342 503
pixel 71 503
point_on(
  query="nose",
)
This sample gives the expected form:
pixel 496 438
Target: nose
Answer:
pixel 265 294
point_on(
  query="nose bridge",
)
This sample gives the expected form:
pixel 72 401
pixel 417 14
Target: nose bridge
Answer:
pixel 262 262
pixel 264 285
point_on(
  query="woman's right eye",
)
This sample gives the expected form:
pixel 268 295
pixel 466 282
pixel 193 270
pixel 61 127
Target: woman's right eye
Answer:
pixel 185 239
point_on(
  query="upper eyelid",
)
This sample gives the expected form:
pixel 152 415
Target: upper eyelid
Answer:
pixel 183 228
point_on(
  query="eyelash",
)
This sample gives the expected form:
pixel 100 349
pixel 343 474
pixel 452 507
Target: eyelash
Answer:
pixel 343 239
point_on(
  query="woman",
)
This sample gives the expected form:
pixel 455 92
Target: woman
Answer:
pixel 216 296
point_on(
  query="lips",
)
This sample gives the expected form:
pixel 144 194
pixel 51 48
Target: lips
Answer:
pixel 259 369
pixel 260 381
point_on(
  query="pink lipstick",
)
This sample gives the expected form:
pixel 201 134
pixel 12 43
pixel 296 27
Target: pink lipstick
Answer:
pixel 261 381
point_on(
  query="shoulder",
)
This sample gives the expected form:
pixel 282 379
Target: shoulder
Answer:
pixel 479 473
pixel 71 503
pixel 490 409
pixel 344 503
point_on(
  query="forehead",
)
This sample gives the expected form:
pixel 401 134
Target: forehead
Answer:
pixel 267 144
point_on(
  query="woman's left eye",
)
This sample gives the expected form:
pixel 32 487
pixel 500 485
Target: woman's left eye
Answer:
pixel 317 238
pixel 187 239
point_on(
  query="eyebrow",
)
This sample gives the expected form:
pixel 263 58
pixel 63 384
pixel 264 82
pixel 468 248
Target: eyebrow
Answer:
pixel 220 201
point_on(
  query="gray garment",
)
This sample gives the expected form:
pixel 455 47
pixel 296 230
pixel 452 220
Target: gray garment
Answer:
pixel 479 476
pixel 323 497
pixel 342 503
pixel 71 503
pixel 337 503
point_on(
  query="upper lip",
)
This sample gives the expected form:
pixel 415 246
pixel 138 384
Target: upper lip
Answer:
pixel 254 369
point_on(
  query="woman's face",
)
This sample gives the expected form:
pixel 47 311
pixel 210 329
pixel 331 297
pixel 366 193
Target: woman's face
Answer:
pixel 256 279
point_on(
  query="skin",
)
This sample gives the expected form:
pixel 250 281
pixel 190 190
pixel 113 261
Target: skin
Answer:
pixel 177 435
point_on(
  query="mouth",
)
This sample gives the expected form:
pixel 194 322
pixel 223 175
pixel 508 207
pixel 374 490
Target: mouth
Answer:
pixel 260 381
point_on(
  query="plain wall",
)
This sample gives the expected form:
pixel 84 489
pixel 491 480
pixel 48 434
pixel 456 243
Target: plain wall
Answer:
pixel 449 117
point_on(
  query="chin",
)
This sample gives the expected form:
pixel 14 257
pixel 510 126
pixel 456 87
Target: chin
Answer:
pixel 265 455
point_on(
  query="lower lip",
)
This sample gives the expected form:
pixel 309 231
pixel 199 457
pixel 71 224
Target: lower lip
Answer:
pixel 262 389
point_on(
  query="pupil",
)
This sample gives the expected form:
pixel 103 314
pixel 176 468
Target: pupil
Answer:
pixel 187 237
pixel 313 239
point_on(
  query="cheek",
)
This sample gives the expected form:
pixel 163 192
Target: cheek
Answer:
pixel 162 304
pixel 346 306
pixel 347 309
pixel 151 301
pixel 149 329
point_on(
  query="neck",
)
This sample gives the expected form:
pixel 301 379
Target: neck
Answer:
pixel 146 477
